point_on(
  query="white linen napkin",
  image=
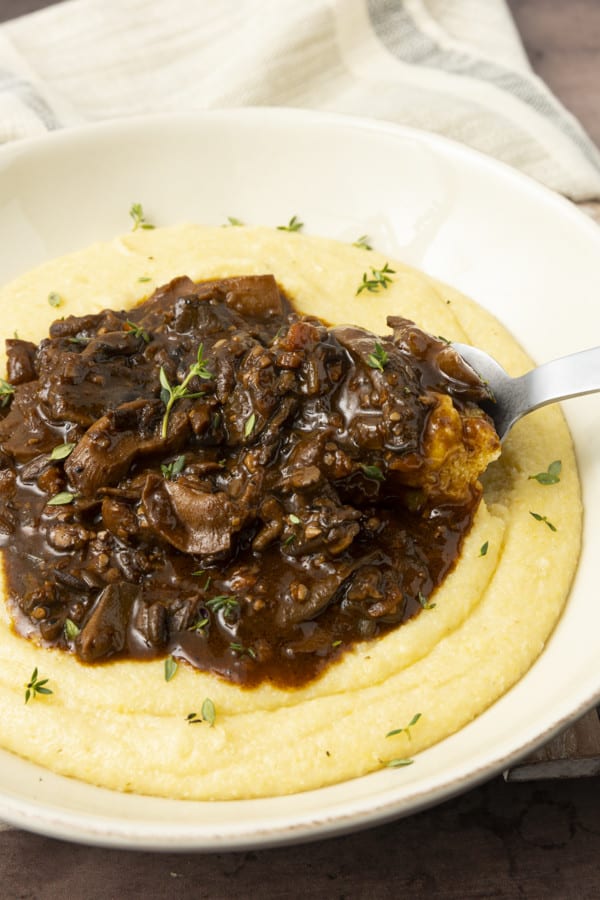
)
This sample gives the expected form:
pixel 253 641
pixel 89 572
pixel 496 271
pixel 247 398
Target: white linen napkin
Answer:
pixel 456 67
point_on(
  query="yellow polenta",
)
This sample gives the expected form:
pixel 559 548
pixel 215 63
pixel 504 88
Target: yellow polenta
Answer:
pixel 123 726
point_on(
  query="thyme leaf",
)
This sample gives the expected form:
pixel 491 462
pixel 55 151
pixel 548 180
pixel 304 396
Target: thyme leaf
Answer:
pixel 61 451
pixel 170 668
pixel 363 242
pixel 373 472
pixel 61 499
pixel 54 299
pixel 71 629
pixel 209 712
pixel 425 602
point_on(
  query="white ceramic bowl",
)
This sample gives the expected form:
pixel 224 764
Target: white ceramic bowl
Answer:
pixel 522 252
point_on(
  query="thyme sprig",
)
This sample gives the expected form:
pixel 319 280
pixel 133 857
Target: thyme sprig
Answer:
pixel 240 650
pixel 379 358
pixel 293 225
pixel 36 686
pixel 175 467
pixel 6 391
pixel 139 220
pixel 223 603
pixel 544 519
pixel 406 729
pixel 380 278
pixel 171 393
pixel 137 330
pixel 551 475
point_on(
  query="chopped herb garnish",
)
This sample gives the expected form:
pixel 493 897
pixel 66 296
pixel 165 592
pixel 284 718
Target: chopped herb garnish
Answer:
pixel 170 668
pixel 233 222
pixel 406 729
pixel 249 425
pixel 209 712
pixel 71 629
pixel 373 472
pixel 243 651
pixel 54 299
pixel 6 391
pixel 380 278
pixel 170 470
pixel 484 548
pixel 293 225
pixel 61 451
pixel 544 519
pixel 61 499
pixel 551 475
pixel 138 331
pixel 398 763
pixel 290 539
pixel 139 220
pixel 226 604
pixel 35 686
pixel 336 643
pixel 425 602
pixel 362 242
pixel 143 278
pixel 294 519
pixel 170 394
pixel 200 625
pixel 193 719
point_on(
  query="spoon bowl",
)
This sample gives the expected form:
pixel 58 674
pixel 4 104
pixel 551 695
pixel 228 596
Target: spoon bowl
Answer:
pixel 513 398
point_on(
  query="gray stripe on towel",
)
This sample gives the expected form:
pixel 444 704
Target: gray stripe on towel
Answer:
pixel 398 33
pixel 27 94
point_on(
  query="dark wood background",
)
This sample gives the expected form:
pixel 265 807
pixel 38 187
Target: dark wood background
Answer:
pixel 533 840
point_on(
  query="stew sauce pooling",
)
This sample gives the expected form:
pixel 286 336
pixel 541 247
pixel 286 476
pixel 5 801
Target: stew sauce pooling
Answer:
pixel 213 476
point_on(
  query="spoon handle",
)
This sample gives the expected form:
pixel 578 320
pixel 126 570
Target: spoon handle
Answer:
pixel 570 376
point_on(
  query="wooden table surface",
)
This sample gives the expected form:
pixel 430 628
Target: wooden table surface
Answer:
pixel 532 840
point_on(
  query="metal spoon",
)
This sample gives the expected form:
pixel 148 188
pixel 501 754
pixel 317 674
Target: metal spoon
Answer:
pixel 570 376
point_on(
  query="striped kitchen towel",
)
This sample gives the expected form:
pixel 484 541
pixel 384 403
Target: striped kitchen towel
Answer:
pixel 455 67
